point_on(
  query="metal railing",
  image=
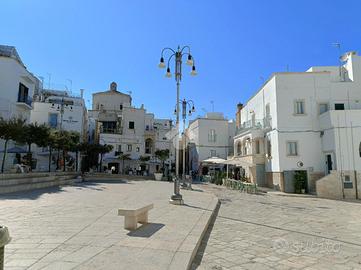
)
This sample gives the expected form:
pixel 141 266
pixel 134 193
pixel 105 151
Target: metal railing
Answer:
pixel 255 124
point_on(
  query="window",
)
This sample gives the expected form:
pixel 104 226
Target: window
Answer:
pixel 53 120
pixel 213 153
pixel 212 137
pixel 148 146
pixel 109 127
pixel 23 93
pixel 121 107
pixel 299 107
pixel 292 149
pixel 269 147
pixel 131 125
pixel 130 147
pixel 239 148
pixel 339 106
pixel 258 150
pixel 322 108
pixel 119 148
pixel 359 149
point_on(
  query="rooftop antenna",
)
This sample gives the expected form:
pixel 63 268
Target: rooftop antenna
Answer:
pixel 212 102
pixel 49 81
pixel 338 45
pixel 71 84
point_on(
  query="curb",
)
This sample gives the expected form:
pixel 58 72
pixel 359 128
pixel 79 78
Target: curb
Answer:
pixel 196 248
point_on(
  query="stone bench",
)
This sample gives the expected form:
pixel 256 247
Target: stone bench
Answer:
pixel 133 216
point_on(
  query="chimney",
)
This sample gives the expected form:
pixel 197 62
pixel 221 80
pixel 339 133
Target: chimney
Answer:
pixel 81 93
pixel 238 115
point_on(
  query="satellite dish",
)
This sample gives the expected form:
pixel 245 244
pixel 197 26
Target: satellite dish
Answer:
pixel 300 164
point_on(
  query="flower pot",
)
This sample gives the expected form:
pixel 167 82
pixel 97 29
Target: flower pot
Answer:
pixel 158 176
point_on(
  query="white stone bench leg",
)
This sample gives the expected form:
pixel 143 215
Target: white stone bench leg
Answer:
pixel 143 218
pixel 130 223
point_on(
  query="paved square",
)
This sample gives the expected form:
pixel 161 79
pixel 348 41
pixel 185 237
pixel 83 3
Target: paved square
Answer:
pixel 281 232
pixel 77 227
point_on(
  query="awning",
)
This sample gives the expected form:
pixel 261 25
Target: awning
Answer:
pixel 238 162
pixel 214 160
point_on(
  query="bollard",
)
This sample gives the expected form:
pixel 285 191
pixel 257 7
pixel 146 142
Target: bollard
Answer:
pixel 4 240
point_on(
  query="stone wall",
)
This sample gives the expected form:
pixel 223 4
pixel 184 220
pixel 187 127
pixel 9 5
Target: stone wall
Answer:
pixel 333 185
pixel 275 180
pixel 28 181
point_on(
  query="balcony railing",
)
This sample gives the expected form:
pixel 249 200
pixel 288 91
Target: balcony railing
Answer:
pixel 255 124
pixel 111 130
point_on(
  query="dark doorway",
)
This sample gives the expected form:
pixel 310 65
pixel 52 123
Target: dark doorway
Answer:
pixel 116 165
pixel 329 163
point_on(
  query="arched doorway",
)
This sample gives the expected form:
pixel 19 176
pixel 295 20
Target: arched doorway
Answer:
pixel 148 146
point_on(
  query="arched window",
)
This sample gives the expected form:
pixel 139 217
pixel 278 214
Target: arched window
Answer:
pixel 239 148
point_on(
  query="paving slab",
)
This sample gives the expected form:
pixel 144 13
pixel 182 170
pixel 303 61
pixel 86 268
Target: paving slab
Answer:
pixel 77 227
pixel 268 231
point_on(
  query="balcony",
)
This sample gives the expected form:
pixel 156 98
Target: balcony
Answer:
pixel 255 124
pixel 24 102
pixel 111 130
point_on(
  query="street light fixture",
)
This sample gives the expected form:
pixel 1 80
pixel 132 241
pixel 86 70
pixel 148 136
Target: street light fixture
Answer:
pixel 177 55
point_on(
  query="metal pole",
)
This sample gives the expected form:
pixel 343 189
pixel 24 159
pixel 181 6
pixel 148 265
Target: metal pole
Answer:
pixel 176 198
pixel 184 150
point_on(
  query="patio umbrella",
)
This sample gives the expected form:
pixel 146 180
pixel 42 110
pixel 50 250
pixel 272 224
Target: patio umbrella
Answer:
pixel 214 160
pixel 17 150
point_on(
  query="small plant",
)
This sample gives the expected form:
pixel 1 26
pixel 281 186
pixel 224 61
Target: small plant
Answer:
pixel 300 179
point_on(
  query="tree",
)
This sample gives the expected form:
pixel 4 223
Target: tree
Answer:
pixel 162 155
pixel 33 133
pixel 124 157
pixel 91 153
pixel 74 145
pixel 10 130
pixel 51 143
pixel 103 149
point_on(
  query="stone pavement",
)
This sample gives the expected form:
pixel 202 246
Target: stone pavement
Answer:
pixel 268 231
pixel 77 227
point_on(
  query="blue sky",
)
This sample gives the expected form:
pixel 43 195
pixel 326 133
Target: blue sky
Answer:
pixel 237 44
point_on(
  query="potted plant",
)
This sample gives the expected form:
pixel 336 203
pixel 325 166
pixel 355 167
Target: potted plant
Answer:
pixel 300 179
pixel 158 175
pixel 162 155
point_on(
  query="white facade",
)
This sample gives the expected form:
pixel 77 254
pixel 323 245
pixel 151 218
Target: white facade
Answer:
pixel 17 88
pixel 129 130
pixel 289 124
pixel 209 136
pixel 17 85
pixel 60 111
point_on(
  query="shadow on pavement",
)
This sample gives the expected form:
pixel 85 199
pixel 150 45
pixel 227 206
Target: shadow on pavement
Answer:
pixel 31 194
pixel 199 256
pixel 146 230
pixel 36 193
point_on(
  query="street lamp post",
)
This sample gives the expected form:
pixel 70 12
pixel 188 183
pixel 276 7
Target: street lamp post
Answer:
pixel 191 109
pixel 177 55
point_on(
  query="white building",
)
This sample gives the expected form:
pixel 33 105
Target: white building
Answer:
pixel 17 88
pixel 303 121
pixel 62 111
pixel 209 136
pixel 131 131
pixel 17 85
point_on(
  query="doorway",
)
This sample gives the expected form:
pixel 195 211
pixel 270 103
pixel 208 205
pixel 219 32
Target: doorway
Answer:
pixel 329 163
